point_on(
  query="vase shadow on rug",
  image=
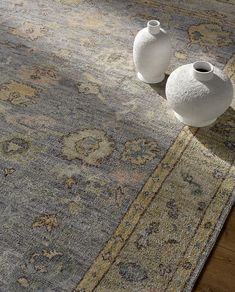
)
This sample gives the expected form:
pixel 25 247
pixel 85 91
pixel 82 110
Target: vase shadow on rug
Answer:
pixel 219 138
pixel 160 87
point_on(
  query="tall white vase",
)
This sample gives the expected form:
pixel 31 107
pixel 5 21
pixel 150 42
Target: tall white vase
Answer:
pixel 198 93
pixel 152 52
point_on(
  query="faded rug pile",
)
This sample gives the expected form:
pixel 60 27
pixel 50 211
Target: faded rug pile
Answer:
pixel 102 189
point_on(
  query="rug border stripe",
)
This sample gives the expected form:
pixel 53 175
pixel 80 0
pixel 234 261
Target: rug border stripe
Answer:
pixel 223 186
pixel 214 235
pixel 127 225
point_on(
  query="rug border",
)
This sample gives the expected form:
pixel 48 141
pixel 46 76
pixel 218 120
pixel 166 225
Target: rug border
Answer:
pixel 189 285
pixel 211 243
pixel 182 141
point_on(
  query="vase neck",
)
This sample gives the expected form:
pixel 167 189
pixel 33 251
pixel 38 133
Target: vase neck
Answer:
pixel 203 71
pixel 153 26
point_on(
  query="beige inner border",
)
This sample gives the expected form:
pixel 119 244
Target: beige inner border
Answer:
pixel 107 256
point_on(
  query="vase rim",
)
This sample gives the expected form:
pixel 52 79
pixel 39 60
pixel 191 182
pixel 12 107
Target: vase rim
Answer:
pixel 203 70
pixel 153 26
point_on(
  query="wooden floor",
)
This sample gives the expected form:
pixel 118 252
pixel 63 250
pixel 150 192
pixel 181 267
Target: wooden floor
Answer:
pixel 219 272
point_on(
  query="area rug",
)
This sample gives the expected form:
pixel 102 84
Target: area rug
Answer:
pixel 102 189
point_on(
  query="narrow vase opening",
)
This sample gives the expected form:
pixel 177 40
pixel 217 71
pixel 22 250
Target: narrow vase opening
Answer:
pixel 203 71
pixel 154 26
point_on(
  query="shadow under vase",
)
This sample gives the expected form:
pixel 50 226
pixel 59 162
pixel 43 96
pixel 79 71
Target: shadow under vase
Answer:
pixel 219 138
pixel 160 87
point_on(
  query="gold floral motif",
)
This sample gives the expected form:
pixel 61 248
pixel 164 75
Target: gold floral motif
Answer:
pixel 17 93
pixel 49 221
pixel 30 30
pixel 34 257
pixel 181 55
pixel 74 207
pixel 8 171
pixel 209 34
pixel 42 261
pixel 90 86
pixel 116 58
pixel 39 75
pixel 96 185
pixel 90 146
pixel 64 54
pixel 70 182
pixel 15 146
pixel 50 254
pixel 40 268
pixel 140 151
pixel 87 42
pixel 23 282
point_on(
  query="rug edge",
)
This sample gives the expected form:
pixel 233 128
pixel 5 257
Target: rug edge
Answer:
pixel 212 242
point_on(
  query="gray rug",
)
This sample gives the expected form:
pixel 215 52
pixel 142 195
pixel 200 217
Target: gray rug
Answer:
pixel 101 187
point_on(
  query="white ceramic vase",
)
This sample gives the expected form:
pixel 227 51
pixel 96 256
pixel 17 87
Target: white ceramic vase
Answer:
pixel 152 52
pixel 198 93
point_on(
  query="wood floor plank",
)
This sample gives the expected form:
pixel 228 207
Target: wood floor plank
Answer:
pixel 219 272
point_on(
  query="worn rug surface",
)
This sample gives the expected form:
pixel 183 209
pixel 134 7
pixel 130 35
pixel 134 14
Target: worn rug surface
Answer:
pixel 102 189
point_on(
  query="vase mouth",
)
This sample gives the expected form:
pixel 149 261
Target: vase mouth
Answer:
pixel 202 70
pixel 153 26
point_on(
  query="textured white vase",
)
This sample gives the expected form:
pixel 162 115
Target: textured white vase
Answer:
pixel 199 93
pixel 151 52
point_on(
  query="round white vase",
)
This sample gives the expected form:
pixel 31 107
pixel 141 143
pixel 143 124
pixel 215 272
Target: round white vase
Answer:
pixel 152 52
pixel 198 93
